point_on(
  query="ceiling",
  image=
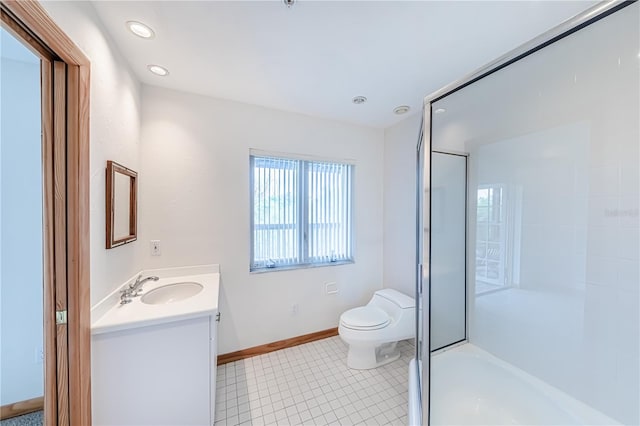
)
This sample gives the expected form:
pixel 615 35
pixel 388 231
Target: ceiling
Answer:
pixel 316 56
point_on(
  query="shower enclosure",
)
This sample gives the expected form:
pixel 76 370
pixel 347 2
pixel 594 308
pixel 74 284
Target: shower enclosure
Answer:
pixel 528 234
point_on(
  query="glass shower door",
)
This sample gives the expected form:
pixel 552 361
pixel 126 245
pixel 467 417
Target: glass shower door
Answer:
pixel 448 246
pixel 553 139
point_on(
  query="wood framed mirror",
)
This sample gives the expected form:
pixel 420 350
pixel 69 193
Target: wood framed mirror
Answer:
pixel 121 218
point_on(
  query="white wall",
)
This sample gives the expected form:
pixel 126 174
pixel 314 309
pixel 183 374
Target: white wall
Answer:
pixel 194 198
pixel 21 371
pixel 400 144
pixel 115 133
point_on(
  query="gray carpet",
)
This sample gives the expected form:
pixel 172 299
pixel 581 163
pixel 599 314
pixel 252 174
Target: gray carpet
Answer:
pixel 33 419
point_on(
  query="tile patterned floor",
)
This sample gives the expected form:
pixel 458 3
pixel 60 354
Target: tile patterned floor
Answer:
pixel 311 385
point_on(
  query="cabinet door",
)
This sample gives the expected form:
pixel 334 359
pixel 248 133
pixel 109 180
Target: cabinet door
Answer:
pixel 156 375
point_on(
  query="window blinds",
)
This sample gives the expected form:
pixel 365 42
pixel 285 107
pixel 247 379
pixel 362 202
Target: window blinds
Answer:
pixel 302 212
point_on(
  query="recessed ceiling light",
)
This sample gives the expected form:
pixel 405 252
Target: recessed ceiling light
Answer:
pixel 359 100
pixel 140 29
pixel 158 70
pixel 439 111
pixel 402 109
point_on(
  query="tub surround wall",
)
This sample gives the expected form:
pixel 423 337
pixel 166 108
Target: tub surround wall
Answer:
pixel 194 198
pixel 399 264
pixel 583 302
pixel 115 133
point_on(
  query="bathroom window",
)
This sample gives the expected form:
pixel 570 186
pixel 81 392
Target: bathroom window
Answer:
pixel 491 237
pixel 301 213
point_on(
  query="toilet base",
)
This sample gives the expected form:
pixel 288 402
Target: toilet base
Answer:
pixel 368 357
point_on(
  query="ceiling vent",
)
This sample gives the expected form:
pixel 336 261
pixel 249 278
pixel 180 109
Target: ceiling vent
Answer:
pixel 358 100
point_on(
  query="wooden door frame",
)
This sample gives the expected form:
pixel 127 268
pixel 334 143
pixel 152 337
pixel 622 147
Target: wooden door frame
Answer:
pixel 66 227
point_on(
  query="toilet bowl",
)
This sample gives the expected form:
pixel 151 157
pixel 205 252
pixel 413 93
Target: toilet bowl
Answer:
pixel 373 331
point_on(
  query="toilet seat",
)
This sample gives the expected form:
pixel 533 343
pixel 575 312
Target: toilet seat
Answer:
pixel 365 318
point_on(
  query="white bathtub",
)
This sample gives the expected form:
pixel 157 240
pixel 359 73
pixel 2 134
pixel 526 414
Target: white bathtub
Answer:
pixel 471 387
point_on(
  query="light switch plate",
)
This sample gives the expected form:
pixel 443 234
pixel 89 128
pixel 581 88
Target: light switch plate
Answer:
pixel 155 247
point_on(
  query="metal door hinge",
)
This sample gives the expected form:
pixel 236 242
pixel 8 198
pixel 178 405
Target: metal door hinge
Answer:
pixel 218 317
pixel 61 317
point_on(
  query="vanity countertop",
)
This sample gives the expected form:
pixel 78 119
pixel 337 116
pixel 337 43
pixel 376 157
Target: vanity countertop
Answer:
pixel 109 315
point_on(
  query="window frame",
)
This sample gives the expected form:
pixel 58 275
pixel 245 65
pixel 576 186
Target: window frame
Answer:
pixel 302 213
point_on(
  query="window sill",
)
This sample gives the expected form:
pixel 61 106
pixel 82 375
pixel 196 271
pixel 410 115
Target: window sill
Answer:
pixel 301 266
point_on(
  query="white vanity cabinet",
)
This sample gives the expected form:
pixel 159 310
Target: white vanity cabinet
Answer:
pixel 156 375
pixel 156 364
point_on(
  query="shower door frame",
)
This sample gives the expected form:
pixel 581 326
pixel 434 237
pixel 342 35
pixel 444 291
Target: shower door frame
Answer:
pixel 424 150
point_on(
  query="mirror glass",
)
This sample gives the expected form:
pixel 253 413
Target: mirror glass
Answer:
pixel 121 205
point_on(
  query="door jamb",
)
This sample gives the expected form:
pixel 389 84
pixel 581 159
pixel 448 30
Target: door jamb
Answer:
pixel 44 36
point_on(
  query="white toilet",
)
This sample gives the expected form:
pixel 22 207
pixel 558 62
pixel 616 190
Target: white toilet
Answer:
pixel 372 331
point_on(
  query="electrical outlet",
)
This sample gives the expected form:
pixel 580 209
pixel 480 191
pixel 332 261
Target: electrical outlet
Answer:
pixel 294 309
pixel 155 247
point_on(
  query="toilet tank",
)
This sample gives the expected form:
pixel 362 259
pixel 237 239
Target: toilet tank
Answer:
pixel 392 302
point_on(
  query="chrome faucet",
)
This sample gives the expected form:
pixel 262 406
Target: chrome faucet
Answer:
pixel 137 286
pixel 134 289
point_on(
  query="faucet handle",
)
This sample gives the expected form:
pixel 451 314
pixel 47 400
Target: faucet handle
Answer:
pixel 136 282
pixel 125 296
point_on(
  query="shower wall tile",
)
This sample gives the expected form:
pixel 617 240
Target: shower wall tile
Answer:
pixel 629 276
pixel 602 241
pixel 628 371
pixel 628 246
pixel 601 270
pixel 629 212
pixel 604 181
pixel 603 212
pixel 579 272
pixel 600 321
pixel 630 176
pixel 628 317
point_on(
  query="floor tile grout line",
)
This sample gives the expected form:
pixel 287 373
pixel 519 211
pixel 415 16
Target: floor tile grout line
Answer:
pixel 327 388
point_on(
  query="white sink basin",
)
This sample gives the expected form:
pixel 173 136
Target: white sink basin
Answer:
pixel 171 293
